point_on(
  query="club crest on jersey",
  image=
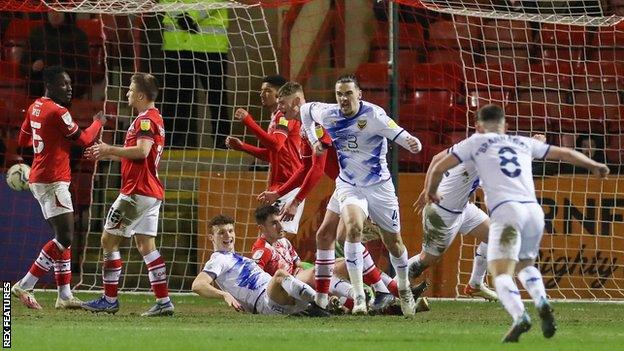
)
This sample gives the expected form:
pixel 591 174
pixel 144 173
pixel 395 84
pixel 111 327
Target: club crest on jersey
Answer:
pixel 257 255
pixel 145 125
pixel 361 123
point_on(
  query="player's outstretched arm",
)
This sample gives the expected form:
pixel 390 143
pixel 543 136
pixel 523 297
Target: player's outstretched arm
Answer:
pixel 437 172
pixel 576 158
pixel 257 152
pixel 422 198
pixel 202 286
pixel 90 134
pixel 274 141
pixel 103 151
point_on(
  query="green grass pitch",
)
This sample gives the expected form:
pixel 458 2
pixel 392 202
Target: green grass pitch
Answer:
pixel 210 325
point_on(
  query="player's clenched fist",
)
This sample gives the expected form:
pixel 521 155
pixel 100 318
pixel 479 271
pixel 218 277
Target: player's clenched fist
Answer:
pixel 414 144
pixel 240 114
pixel 268 197
pixel 233 143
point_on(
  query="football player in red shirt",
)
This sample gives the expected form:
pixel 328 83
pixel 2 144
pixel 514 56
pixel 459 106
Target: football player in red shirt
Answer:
pixel 280 145
pixel 135 212
pixel 306 177
pixel 49 128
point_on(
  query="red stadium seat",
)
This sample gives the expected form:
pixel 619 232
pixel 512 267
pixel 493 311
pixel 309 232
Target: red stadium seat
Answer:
pixel 546 76
pixel 599 76
pixel 563 35
pixel 581 118
pixel 479 98
pixel 484 76
pixel 373 75
pixel 442 76
pixel 410 36
pixel 421 116
pixel 453 137
pixel 524 116
pixel 449 34
pixel 564 140
pixel 615 149
pixel 15 39
pixel 562 57
pixel 597 98
pixel 550 96
pixel 406 57
pixel 93 29
pixel 377 96
pixel 507 33
pixel 461 58
pixel 10 75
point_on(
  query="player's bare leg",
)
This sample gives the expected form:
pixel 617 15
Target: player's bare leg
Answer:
pixel 325 256
pixel 398 258
pixel 531 279
pixel 110 276
pixel 146 245
pixel 284 289
pixel 55 253
pixel 503 270
pixel 353 218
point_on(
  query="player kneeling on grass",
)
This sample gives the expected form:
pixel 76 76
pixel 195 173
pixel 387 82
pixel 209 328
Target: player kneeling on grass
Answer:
pixel 244 285
pixel 135 212
pixel 50 130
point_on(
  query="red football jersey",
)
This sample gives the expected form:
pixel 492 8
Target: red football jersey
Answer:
pixel 287 160
pixel 141 176
pixel 49 124
pixel 280 255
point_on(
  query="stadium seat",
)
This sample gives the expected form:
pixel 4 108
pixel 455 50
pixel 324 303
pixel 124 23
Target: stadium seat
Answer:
pixel 410 36
pixel 10 75
pixel 83 111
pixel 563 140
pixel 484 76
pixel 566 56
pixel 599 76
pixel 597 98
pixel 563 35
pixel 15 38
pixel 373 75
pixel 406 57
pixel 461 58
pixel 433 76
pixel 525 116
pixel 546 76
pixel 93 29
pixel 16 105
pixel 480 98
pixel 581 118
pixel 435 149
pixel 449 34
pixel 423 116
pixel 615 149
pixel 453 137
pixel 507 42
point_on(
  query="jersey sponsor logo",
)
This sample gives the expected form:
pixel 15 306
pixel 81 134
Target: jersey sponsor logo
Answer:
pixel 362 123
pixel 257 255
pixel 145 125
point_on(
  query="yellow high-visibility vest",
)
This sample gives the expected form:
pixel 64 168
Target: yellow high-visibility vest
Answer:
pixel 212 36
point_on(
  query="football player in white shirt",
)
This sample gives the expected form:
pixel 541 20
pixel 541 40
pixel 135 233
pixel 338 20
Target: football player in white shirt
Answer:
pixel 246 287
pixel 503 163
pixel 359 132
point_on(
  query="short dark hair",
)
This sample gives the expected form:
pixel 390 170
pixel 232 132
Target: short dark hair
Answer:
pixel 221 220
pixel 276 80
pixel 348 78
pixel 146 84
pixel 289 88
pixel 491 114
pixel 50 74
pixel 263 212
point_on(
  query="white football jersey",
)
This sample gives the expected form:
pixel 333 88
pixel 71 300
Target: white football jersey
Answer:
pixel 239 276
pixel 457 186
pixel 360 141
pixel 503 163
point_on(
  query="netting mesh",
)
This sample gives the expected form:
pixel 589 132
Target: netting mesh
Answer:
pixel 555 66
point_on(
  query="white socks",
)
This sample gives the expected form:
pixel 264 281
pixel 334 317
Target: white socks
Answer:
pixel 298 289
pixel 479 266
pixel 354 260
pixel 531 279
pixel 401 268
pixel 509 295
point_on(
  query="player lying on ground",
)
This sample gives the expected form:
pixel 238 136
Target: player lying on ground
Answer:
pixel 244 285
pixel 364 188
pixel 280 146
pixel 49 129
pixel 503 163
pixel 291 98
pixel 136 209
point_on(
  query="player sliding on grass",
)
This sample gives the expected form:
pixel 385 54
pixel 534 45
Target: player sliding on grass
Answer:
pixel 135 212
pixel 291 101
pixel 244 285
pixel 503 163
pixel 51 131
pixel 280 146
pixel 359 132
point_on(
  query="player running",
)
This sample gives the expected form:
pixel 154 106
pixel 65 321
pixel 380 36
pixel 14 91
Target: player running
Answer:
pixel 280 145
pixel 136 209
pixel 364 186
pixel 503 163
pixel 49 128
pixel 244 285
pixel 291 101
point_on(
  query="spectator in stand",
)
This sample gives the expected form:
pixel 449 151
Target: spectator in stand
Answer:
pixel 591 146
pixel 57 43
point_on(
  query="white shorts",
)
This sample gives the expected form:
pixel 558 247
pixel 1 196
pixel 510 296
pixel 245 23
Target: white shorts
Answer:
pixel 333 204
pixel 291 226
pixel 516 231
pixel 132 214
pixel 440 226
pixel 379 202
pixel 267 306
pixel 54 198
